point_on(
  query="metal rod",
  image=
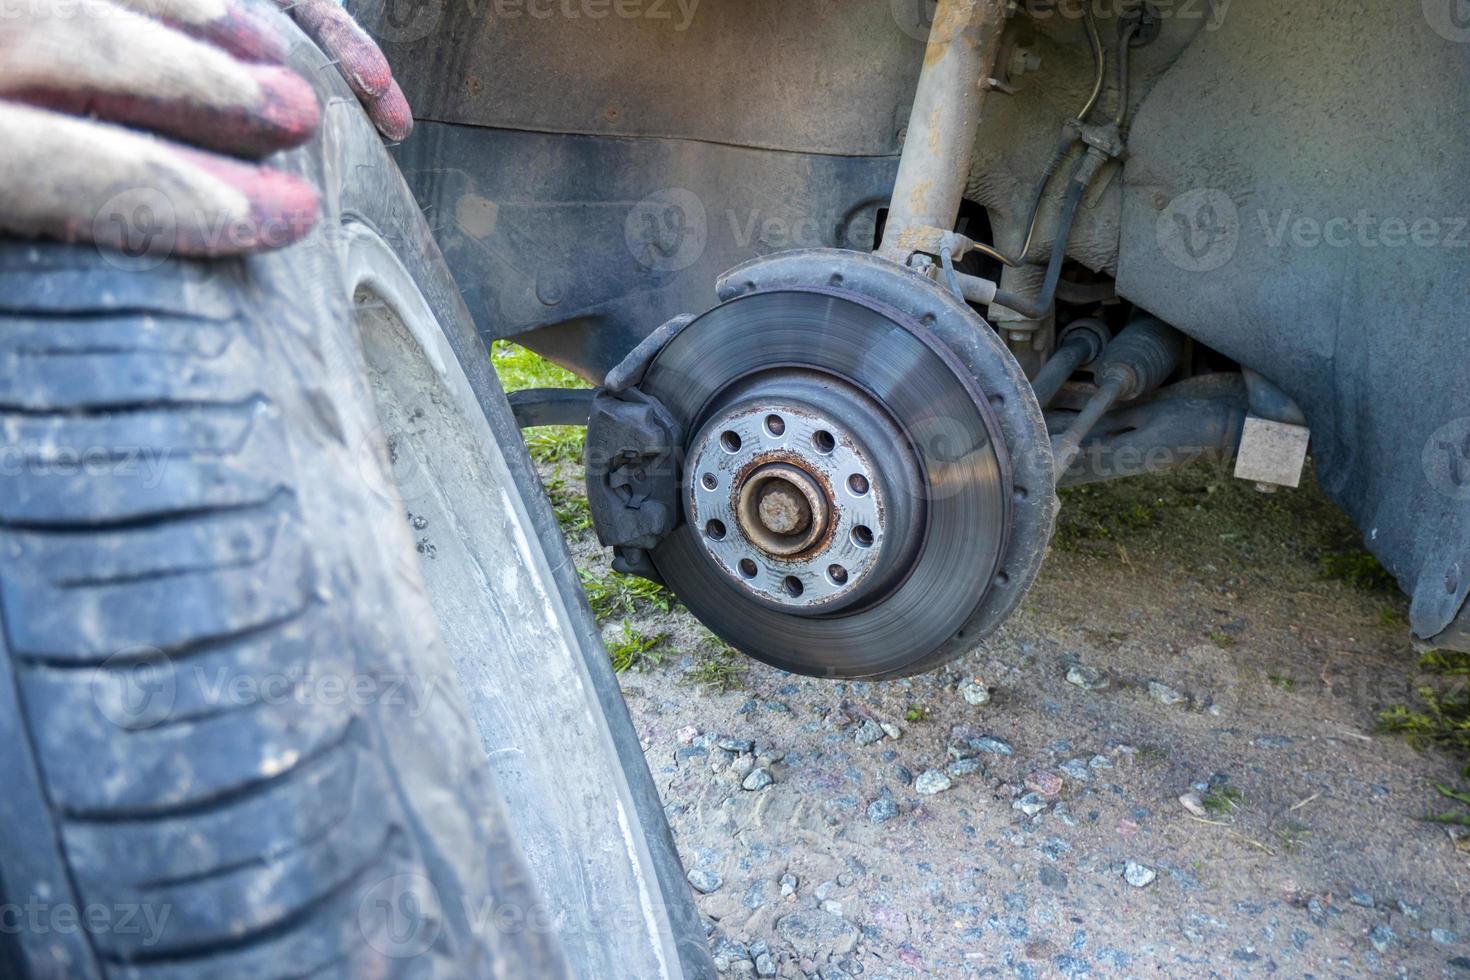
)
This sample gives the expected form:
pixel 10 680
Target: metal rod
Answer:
pixel 1081 345
pixel 1066 446
pixel 964 42
pixel 1137 361
pixel 1041 307
pixel 551 406
pixel 1159 435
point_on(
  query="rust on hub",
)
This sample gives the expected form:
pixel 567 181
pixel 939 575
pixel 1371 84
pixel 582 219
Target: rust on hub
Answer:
pixel 782 508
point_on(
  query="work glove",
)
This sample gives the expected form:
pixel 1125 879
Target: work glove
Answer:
pixel 138 124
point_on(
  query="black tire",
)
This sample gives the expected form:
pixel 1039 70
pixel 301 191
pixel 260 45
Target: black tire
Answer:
pixel 233 739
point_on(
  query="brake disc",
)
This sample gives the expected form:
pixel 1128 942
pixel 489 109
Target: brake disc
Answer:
pixel 849 497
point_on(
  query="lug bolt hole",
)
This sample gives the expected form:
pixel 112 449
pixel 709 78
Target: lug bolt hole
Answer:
pixel 858 484
pixel 709 481
pixel 837 574
pixel 716 530
pixel 822 439
pixel 730 442
pixel 775 425
pixel 747 568
pixel 862 536
pixel 791 585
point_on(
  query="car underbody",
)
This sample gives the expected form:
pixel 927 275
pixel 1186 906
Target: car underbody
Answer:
pixel 865 282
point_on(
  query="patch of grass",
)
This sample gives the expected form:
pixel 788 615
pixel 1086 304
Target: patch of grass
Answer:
pixel 717 667
pixel 520 368
pixel 1138 516
pixel 1282 681
pixel 1292 834
pixel 1356 568
pixel 1222 640
pixel 1199 516
pixel 622 595
pixel 916 712
pixel 1458 818
pixel 1149 753
pixel 634 649
pixel 555 443
pixel 1390 616
pixel 570 506
pixel 1442 719
pixel 1223 801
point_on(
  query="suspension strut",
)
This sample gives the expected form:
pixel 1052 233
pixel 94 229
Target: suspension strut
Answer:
pixel 959 62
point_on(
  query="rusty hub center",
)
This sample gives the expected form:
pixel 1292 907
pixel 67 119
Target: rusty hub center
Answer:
pixel 787 500
pixel 782 509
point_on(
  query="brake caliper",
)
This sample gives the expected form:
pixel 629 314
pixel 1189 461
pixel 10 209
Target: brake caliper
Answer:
pixel 634 459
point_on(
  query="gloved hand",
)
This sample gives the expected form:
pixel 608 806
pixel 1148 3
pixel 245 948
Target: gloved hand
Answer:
pixel 80 78
pixel 360 61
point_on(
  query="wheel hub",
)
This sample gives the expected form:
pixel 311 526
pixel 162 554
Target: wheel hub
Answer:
pixel 782 509
pixel 786 494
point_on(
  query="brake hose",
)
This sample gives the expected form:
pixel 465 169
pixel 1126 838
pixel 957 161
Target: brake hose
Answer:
pixel 1082 175
pixel 1068 141
pixel 1041 306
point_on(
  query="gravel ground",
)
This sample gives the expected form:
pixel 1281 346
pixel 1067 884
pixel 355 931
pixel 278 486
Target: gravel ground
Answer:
pixel 1164 765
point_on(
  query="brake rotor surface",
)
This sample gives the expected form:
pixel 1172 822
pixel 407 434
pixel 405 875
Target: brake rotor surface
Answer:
pixel 846 495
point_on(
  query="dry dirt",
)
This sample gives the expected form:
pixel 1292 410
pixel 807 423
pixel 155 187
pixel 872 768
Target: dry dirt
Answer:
pixel 1309 856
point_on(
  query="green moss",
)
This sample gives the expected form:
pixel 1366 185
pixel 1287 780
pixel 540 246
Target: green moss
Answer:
pixel 1292 834
pixel 1358 569
pixel 1149 754
pixel 1442 718
pixel 1201 519
pixel 1458 817
pixel 1392 616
